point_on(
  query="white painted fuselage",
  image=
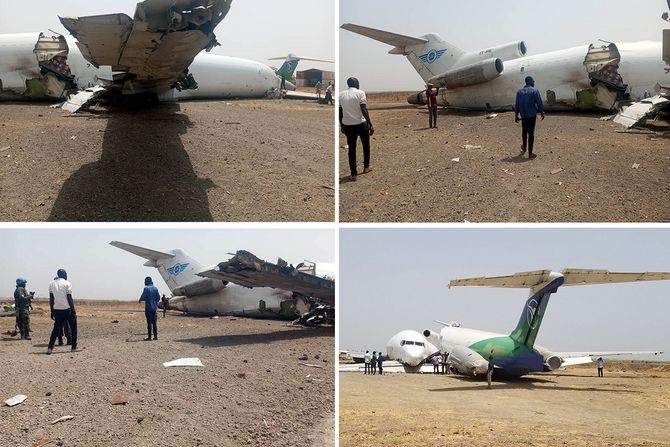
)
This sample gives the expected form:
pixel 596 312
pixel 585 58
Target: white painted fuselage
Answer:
pixel 409 348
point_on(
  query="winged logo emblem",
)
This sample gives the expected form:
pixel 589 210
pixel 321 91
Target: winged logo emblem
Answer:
pixel 176 269
pixel 432 56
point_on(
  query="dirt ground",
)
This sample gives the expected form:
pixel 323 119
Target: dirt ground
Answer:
pixel 244 160
pixel 252 390
pixel 630 406
pixel 415 179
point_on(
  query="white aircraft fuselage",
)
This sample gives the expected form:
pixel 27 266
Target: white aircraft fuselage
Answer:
pixel 217 76
pixel 409 348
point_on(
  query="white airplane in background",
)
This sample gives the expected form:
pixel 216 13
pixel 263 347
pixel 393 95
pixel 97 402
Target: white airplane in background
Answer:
pixel 515 354
pixel 243 285
pixel 157 53
pixel 584 77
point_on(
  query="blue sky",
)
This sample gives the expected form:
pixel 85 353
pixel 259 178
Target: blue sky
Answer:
pixel 98 270
pixel 396 279
pixel 543 25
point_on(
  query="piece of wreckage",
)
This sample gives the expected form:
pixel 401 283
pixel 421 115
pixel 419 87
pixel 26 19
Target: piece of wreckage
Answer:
pixel 200 291
pixel 578 78
pixel 247 270
pixel 111 55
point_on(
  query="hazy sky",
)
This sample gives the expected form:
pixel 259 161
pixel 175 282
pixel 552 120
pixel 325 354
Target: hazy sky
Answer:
pixel 396 279
pixel 253 29
pixel 544 26
pixel 99 270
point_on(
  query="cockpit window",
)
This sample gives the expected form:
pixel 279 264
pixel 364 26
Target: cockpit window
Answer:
pixel 420 343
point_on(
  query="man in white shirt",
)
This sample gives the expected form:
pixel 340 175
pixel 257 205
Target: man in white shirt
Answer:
pixel 62 309
pixel 367 358
pixel 354 123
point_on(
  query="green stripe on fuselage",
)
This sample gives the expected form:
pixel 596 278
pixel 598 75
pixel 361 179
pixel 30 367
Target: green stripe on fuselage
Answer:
pixel 502 347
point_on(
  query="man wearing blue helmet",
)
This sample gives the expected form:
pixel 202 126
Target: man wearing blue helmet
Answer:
pixel 150 296
pixel 62 309
pixel 22 305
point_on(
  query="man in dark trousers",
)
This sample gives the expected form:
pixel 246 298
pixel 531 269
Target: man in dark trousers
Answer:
pixel 165 303
pixel 22 308
pixel 380 360
pixel 489 371
pixel 528 104
pixel 150 296
pixel 601 365
pixel 431 100
pixel 62 309
pixel 355 123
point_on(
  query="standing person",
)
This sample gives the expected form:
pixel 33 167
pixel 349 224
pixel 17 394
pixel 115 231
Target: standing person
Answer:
pixel 62 309
pixel 282 86
pixel 489 371
pixel 373 363
pixel 380 360
pixel 329 94
pixel 22 308
pixel 318 90
pixel 601 364
pixel 445 356
pixel 436 363
pixel 150 296
pixel 528 104
pixel 64 331
pixel 165 303
pixel 431 100
pixel 355 123
pixel 366 358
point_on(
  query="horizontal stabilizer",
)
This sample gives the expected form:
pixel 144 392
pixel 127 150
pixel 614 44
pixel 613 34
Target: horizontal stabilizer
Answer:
pixel 572 277
pixel 580 358
pixel 293 57
pixel 393 39
pixel 146 253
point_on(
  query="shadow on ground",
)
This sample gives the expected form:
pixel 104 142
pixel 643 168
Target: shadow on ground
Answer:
pixel 264 338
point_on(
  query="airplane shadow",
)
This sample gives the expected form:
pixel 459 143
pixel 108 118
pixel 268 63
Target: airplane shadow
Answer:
pixel 526 383
pixel 143 175
pixel 218 341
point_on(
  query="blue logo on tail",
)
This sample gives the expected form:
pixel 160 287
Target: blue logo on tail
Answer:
pixel 176 269
pixel 432 56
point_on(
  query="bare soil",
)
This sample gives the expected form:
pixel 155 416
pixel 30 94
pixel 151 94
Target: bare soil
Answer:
pixel 245 160
pixel 252 389
pixel 415 180
pixel 630 406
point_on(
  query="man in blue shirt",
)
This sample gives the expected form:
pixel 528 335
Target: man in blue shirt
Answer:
pixel 150 296
pixel 528 104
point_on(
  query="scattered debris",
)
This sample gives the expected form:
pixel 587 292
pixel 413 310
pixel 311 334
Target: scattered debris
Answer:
pixel 456 160
pixel 640 112
pixel 73 137
pixel 41 441
pixel 491 116
pixel 5 149
pixel 115 321
pixel 241 375
pixel 303 357
pixel 556 171
pixel 559 183
pixel 78 101
pixel 420 169
pixel 506 171
pixel 328 187
pixel 470 146
pixel 189 361
pixel 277 139
pixel 310 365
pixel 408 126
pixel 62 419
pixel 635 165
pixel 12 401
pixel 215 317
pixel 266 423
pixel 119 400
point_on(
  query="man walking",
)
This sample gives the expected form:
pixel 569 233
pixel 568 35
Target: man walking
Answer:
pixel 601 364
pixel 165 303
pixel 62 309
pixel 366 358
pixel 150 296
pixel 355 123
pixel 22 308
pixel 318 90
pixel 431 100
pixel 528 104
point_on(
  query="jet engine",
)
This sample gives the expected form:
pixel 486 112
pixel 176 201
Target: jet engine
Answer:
pixel 434 338
pixel 505 52
pixel 471 74
pixel 552 362
pixel 202 286
pixel 467 361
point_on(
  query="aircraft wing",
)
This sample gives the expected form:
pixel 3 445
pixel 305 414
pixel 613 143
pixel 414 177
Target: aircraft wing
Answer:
pixel 293 94
pixel 299 58
pixel 579 358
pixel 247 270
pixel 151 51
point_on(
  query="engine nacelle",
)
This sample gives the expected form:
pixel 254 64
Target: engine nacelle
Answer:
pixel 471 74
pixel 505 52
pixel 434 338
pixel 202 286
pixel 552 362
pixel 467 361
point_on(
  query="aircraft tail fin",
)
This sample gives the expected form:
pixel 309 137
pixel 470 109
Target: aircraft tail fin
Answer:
pixel 430 55
pixel 290 64
pixel 175 267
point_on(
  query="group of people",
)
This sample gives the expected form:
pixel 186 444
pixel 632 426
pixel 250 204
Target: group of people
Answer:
pixel 373 362
pixel 330 89
pixel 64 314
pixel 441 360
pixel 355 120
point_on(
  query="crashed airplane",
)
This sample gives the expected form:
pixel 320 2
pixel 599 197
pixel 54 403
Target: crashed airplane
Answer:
pixel 584 77
pixel 243 286
pixel 158 52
